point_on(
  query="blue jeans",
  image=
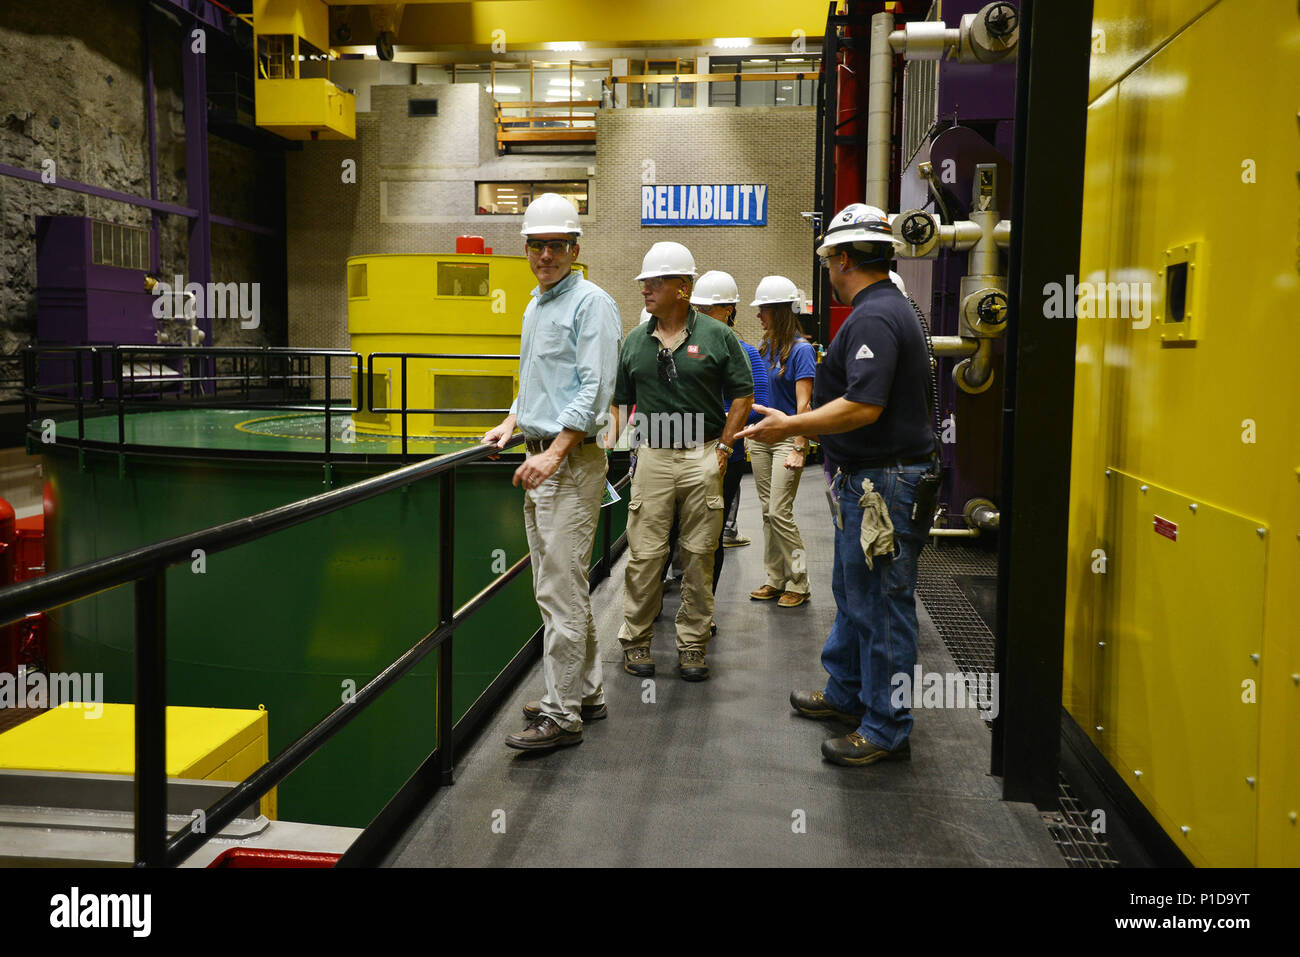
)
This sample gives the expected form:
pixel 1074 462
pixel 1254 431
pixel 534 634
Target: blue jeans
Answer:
pixel 874 636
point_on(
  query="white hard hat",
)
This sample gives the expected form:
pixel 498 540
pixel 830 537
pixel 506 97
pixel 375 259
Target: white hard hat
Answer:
pixel 645 316
pixel 550 213
pixel 774 289
pixel 667 259
pixel 715 288
pixel 857 223
pixel 897 280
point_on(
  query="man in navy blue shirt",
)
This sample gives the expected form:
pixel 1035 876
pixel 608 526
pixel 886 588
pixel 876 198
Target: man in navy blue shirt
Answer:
pixel 870 410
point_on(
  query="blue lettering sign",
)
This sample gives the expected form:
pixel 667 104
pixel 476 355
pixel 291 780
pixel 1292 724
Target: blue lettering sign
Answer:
pixel 699 205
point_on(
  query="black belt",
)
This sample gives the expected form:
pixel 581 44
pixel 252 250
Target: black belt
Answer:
pixel 538 446
pixel 883 463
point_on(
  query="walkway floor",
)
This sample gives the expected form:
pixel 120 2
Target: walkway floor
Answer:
pixel 722 772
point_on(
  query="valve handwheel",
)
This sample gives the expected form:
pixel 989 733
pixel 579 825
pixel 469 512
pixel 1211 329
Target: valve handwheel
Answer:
pixel 917 229
pixel 1001 20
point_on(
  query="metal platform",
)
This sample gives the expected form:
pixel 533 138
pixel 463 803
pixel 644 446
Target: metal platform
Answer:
pixel 723 773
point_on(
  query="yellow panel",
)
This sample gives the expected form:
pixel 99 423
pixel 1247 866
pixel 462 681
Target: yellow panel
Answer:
pixel 1124 32
pixel 309 19
pixel 309 109
pixel 470 26
pixel 1186 609
pixel 242 764
pixel 1198 150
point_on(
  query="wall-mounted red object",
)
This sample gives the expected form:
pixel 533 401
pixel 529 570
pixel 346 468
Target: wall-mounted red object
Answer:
pixel 469 245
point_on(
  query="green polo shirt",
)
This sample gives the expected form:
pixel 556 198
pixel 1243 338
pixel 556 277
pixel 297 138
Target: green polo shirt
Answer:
pixel 711 367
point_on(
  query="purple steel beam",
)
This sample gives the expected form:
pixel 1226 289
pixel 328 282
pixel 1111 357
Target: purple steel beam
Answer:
pixel 17 172
pixel 206 12
pixel 194 76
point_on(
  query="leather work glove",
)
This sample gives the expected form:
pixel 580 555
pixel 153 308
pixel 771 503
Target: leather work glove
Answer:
pixel 877 535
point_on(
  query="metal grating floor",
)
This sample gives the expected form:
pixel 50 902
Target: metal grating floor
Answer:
pixel 970 642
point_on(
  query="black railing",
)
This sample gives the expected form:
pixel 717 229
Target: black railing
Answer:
pixel 146 568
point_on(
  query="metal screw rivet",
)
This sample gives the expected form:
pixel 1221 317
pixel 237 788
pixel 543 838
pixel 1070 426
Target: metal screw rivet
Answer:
pixel 1250 781
pixel 1292 816
pixel 1098 727
pixel 1144 487
pixel 1254 656
pixel 1192 506
pixel 1184 829
pixel 1101 644
pixel 1261 532
pixel 1108 476
pixel 1137 774
pixel 1295 679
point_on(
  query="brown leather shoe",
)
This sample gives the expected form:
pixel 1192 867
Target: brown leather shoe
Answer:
pixel 693 666
pixel 542 734
pixel 813 704
pixel 853 750
pixel 589 712
pixel 792 599
pixel 766 593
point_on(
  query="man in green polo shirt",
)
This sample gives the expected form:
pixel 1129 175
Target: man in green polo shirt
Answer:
pixel 676 369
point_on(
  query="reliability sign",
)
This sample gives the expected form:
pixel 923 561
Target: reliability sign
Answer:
pixel 729 205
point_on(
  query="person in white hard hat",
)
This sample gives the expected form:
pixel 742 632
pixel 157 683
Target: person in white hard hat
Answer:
pixel 870 408
pixel 791 365
pixel 677 369
pixel 716 295
pixel 567 366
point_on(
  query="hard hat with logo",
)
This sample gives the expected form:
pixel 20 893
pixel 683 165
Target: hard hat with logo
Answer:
pixel 715 288
pixel 550 213
pixel 897 280
pixel 857 223
pixel 774 289
pixel 667 259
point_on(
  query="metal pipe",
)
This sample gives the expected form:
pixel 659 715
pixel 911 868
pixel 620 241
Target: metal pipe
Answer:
pixel 961 235
pixel 955 533
pixel 984 254
pixel 925 40
pixel 979 370
pixel 986 517
pixel 953 346
pixel 880 102
pixel 1002 233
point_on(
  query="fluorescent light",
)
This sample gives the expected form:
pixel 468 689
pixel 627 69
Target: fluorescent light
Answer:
pixel 732 41
pixel 568 46
pixel 759 61
pixel 787 88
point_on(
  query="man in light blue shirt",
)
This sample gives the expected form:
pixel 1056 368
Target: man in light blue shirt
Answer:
pixel 568 361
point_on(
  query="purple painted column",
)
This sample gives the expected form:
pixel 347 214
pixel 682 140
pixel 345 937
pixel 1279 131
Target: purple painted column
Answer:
pixel 194 72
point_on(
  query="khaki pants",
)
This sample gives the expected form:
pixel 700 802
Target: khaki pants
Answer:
pixel 560 517
pixel 784 558
pixel 685 482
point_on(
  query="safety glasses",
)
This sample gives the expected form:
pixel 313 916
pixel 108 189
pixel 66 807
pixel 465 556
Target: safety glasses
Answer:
pixel 557 247
pixel 667 367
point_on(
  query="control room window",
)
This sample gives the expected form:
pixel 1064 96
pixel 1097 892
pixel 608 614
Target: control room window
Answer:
pixel 512 198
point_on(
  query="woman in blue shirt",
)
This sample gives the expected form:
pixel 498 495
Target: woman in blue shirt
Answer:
pixel 791 362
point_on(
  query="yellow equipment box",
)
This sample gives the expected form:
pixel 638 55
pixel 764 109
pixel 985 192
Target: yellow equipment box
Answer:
pixel 210 744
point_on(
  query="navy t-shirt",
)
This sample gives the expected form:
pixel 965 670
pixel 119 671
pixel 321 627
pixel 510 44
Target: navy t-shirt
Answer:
pixel 801 363
pixel 879 357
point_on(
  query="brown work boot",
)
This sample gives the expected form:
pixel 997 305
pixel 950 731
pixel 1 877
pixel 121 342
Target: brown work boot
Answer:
pixel 590 712
pixel 693 666
pixel 766 593
pixel 542 734
pixel 792 599
pixel 637 661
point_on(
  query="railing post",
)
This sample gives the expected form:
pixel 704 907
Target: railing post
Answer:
pixel 446 606
pixel 404 410
pixel 151 720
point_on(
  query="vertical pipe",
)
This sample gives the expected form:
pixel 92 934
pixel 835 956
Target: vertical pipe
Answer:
pixel 146 50
pixel 151 720
pixel 446 564
pixel 880 109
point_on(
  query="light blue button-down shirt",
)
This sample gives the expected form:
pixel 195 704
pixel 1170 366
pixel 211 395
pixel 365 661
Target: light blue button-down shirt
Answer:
pixel 568 359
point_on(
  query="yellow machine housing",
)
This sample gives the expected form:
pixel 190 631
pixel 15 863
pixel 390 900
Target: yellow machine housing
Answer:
pixel 291 99
pixel 1182 656
pixel 464 304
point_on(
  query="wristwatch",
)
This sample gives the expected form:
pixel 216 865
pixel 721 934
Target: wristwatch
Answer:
pixel 725 448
